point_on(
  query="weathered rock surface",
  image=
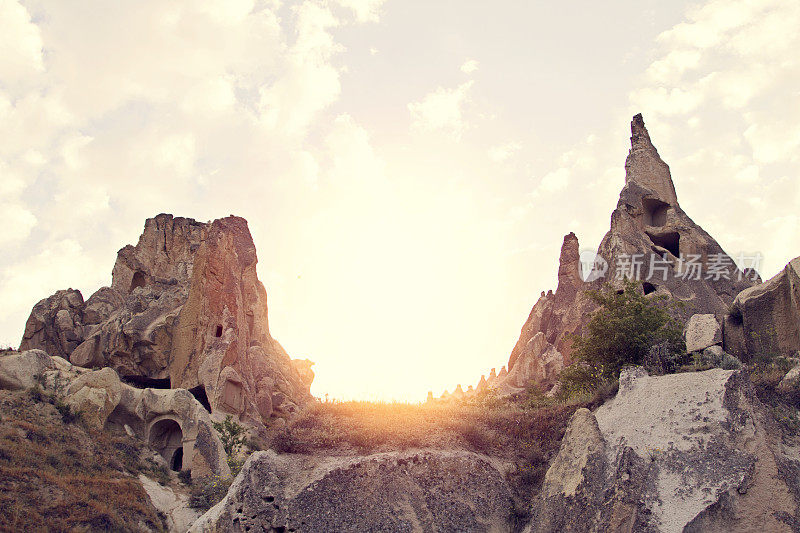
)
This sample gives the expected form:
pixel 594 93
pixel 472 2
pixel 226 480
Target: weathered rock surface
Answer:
pixel 172 422
pixel 174 505
pixel 765 319
pixel 701 332
pixel 397 491
pixel 185 308
pixel 20 371
pixel 650 239
pixel 682 452
pixel 55 324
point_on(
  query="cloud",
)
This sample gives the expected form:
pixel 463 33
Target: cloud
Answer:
pixel 443 109
pixel 503 152
pixel 364 10
pixel 469 66
pixel 21 43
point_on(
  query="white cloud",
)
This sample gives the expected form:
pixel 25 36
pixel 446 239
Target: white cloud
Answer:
pixel 365 10
pixel 469 66
pixel 443 109
pixel 503 152
pixel 20 41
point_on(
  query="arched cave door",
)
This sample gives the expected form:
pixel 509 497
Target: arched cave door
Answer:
pixel 166 438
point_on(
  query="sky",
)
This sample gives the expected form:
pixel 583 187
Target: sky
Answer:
pixel 408 168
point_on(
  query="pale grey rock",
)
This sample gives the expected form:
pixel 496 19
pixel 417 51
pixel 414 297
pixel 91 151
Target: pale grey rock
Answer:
pixel 397 491
pixel 20 371
pixel 765 319
pixel 174 505
pixel 702 331
pixel 681 452
pixel 55 324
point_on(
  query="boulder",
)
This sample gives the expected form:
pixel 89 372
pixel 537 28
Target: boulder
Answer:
pixel 681 452
pixel 702 331
pixel 95 395
pixel 765 319
pixel 55 324
pixel 20 371
pixel 396 491
pixel 174 505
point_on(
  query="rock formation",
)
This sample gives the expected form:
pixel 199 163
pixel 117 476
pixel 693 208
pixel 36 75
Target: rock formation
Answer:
pixel 172 422
pixel 681 452
pixel 765 319
pixel 185 309
pixel 651 239
pixel 395 491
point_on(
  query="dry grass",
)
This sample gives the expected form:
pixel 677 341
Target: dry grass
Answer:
pixel 528 438
pixel 66 477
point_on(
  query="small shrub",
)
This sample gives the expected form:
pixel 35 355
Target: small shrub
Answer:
pixel 68 416
pixel 185 476
pixel 207 492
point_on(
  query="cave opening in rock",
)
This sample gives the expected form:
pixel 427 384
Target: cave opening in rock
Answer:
pixel 655 212
pixel 166 437
pixel 648 288
pixel 177 460
pixel 199 393
pixel 670 241
pixel 138 280
pixel 143 382
pixel 218 332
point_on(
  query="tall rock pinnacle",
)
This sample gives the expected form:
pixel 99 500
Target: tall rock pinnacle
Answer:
pixel 650 240
pixel 645 167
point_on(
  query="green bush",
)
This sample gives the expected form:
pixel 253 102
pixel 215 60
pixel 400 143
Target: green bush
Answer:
pixel 233 436
pixel 621 332
pixel 207 492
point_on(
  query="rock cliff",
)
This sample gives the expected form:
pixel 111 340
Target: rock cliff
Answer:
pixel 676 453
pixel 185 309
pixel 651 239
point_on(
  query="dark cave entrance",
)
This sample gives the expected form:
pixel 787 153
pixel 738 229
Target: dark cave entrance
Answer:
pixel 648 288
pixel 655 212
pixel 218 332
pixel 177 460
pixel 670 241
pixel 199 393
pixel 139 280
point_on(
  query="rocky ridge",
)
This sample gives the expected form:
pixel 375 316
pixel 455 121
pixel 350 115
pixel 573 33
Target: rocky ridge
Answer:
pixel 650 239
pixel 185 309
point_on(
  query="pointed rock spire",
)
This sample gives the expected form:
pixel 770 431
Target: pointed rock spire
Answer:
pixel 644 166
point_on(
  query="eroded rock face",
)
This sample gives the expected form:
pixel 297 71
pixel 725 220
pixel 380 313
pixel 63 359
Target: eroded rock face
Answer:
pixel 651 239
pixel 185 308
pixel 702 331
pixel 55 324
pixel 765 319
pixel 681 452
pixel 397 491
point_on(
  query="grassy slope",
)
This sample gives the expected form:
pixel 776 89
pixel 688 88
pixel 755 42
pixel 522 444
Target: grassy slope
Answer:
pixel 58 475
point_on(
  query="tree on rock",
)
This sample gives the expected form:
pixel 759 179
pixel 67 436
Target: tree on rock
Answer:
pixel 622 331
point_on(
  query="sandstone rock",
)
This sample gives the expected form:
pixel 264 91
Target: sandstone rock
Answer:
pixel 702 331
pixel 174 505
pixel 765 319
pixel 55 324
pixel 682 452
pixel 397 491
pixel 95 395
pixel 790 381
pixel 20 371
pixel 651 239
pixel 185 308
pixel 172 421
